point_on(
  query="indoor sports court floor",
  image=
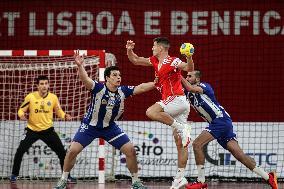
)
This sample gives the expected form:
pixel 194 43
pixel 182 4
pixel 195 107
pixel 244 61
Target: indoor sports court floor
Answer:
pixel 126 185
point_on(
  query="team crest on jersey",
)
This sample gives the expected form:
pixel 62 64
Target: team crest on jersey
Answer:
pixel 48 103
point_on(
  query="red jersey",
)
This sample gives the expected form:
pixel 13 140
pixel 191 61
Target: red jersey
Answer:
pixel 169 76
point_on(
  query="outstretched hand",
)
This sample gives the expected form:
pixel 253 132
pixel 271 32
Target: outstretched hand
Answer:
pixel 68 117
pixel 79 59
pixel 129 45
pixel 23 118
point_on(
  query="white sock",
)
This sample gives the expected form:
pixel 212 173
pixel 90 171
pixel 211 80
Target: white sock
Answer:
pixel 180 173
pixel 64 175
pixel 134 177
pixel 177 125
pixel 261 173
pixel 201 173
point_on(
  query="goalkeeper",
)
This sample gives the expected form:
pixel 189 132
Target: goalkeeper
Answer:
pixel 40 105
pixel 202 99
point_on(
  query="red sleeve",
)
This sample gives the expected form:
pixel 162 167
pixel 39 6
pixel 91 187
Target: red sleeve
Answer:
pixel 153 60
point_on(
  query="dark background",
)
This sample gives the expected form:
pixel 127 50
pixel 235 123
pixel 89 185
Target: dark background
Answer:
pixel 245 70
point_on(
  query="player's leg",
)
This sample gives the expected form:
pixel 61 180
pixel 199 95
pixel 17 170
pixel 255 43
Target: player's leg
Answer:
pixel 179 179
pixel 249 162
pixel 239 154
pixel 28 139
pixel 84 136
pixel 227 139
pixel 198 144
pixel 69 163
pixel 53 141
pixel 182 152
pixel 118 139
pixel 165 111
pixel 131 161
pixel 70 158
pixel 156 113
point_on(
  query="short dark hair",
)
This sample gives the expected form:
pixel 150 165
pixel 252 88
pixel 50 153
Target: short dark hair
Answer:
pixel 41 77
pixel 197 73
pixel 108 71
pixel 163 41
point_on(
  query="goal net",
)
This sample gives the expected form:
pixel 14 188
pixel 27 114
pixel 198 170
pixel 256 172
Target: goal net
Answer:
pixel 18 74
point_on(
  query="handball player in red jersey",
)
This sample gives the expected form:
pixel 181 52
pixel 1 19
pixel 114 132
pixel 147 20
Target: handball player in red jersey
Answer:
pixel 173 109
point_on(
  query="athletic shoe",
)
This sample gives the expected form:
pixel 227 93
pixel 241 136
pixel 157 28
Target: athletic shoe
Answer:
pixel 71 180
pixel 61 184
pixel 13 178
pixel 138 185
pixel 185 135
pixel 197 185
pixel 272 181
pixel 178 183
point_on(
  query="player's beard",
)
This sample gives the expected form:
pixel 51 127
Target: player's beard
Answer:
pixel 193 82
pixel 44 92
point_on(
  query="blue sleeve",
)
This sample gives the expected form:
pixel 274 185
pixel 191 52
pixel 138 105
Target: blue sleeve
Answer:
pixel 127 90
pixel 207 89
pixel 97 87
pixel 185 92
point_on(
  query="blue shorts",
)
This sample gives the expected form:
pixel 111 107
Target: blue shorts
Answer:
pixel 222 130
pixel 112 134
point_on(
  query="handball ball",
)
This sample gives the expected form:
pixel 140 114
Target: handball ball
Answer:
pixel 187 49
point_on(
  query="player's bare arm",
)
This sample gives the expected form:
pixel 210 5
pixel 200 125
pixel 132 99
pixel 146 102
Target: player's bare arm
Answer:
pixel 79 61
pixel 187 66
pixel 144 87
pixel 134 58
pixel 60 113
pixel 191 88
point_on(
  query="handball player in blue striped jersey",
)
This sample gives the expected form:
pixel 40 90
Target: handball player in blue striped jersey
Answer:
pixel 202 99
pixel 106 106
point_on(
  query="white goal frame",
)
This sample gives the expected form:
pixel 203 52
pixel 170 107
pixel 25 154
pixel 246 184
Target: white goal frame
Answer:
pixel 58 53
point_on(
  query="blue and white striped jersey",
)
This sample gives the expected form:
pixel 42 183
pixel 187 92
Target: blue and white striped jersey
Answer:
pixel 106 106
pixel 206 104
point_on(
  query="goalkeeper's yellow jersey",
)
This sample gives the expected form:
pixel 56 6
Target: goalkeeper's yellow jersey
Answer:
pixel 40 110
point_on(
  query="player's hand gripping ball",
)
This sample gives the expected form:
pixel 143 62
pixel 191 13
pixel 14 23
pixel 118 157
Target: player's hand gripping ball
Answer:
pixel 187 49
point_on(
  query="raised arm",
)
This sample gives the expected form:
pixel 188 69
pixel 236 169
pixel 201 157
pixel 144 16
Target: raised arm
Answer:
pixel 79 60
pixel 134 58
pixel 187 66
pixel 143 87
pixel 191 88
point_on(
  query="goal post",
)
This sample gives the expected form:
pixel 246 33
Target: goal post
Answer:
pixel 18 71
